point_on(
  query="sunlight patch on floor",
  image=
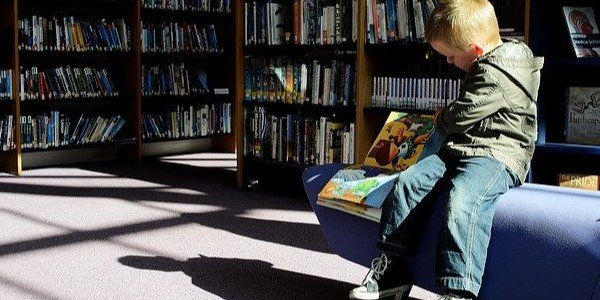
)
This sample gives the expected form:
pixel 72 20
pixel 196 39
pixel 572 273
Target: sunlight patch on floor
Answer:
pixel 182 191
pixel 291 216
pixel 73 178
pixel 181 208
pixel 226 161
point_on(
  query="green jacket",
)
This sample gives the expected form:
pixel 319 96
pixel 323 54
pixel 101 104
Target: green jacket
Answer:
pixel 496 112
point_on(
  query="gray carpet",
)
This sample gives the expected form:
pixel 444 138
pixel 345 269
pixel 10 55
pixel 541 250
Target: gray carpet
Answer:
pixel 175 228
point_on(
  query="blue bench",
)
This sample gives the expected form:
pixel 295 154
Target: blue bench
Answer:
pixel 545 241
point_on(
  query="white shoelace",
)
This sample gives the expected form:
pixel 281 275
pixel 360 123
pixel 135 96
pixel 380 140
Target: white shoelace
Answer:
pixel 379 265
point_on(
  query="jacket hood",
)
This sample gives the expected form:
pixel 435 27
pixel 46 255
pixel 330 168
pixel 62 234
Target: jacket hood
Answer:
pixel 517 62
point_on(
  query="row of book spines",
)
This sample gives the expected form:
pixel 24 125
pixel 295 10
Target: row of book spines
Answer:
pixel 294 138
pixel 325 23
pixel 298 82
pixel 65 83
pixel 175 37
pixel 66 34
pixel 220 6
pixel 397 20
pixel 7 132
pixel 54 129
pixel 304 23
pixel 186 122
pixel 414 93
pixel 6 86
pixel 173 80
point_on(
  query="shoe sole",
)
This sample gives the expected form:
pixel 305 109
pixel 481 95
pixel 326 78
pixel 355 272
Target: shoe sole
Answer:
pixel 397 292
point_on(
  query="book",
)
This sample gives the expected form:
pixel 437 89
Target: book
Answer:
pixel 370 213
pixel 584 34
pixel 583 115
pixel 400 142
pixel 359 184
pixel 360 189
pixel 579 181
pixel 276 20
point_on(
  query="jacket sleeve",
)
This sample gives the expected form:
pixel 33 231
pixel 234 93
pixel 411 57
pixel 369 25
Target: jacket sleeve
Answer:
pixel 481 97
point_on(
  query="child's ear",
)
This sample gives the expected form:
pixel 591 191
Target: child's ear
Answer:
pixel 477 49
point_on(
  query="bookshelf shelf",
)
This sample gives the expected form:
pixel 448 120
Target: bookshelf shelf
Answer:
pixel 301 50
pixel 274 163
pixel 61 156
pixel 566 148
pixel 71 147
pixel 167 14
pixel 385 110
pixel 162 99
pixel 54 56
pixel 182 56
pixel 180 139
pixel 73 102
pixel 403 47
pixel 570 62
pixel 309 109
pixel 7 105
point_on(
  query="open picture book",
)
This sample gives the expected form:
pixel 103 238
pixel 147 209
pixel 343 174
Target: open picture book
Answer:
pixel 360 189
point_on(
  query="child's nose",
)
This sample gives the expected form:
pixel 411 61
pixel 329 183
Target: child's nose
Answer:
pixel 449 60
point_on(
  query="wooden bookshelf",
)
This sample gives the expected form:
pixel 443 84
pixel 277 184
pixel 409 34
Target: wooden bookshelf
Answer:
pixel 110 59
pixel 124 66
pixel 10 160
pixel 293 50
pixel 188 59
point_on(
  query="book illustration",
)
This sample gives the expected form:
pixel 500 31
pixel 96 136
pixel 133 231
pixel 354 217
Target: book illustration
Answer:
pixel 356 185
pixel 580 19
pixel 583 115
pixel 400 142
pixel 583 31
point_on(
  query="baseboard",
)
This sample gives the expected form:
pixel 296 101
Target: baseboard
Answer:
pixel 176 147
pixel 67 156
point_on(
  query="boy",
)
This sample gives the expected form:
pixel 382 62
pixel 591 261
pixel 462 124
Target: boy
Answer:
pixel 490 131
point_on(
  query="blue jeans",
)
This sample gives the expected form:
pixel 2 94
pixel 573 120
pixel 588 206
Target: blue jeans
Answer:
pixel 470 186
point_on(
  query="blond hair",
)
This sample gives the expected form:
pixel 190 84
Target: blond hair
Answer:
pixel 459 23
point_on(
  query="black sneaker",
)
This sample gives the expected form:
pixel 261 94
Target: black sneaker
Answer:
pixel 378 284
